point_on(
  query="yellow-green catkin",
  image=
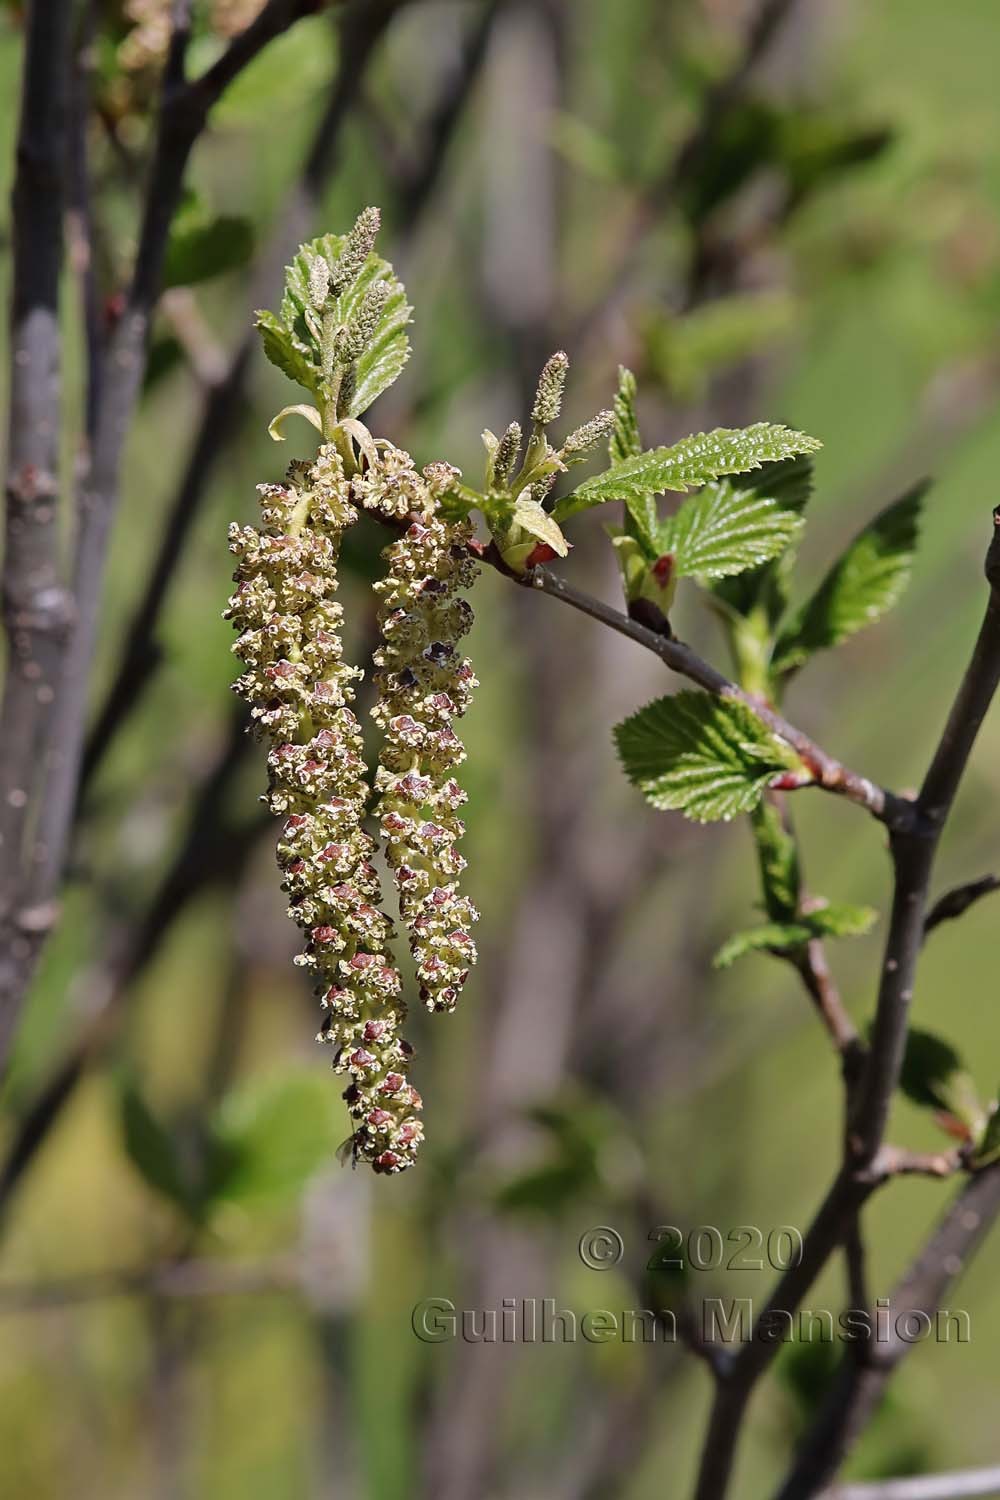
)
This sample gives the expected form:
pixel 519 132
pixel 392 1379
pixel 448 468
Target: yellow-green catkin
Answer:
pixel 300 691
pixel 424 684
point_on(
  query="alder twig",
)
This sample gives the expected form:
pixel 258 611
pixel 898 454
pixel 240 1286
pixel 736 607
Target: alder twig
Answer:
pixel 862 1378
pixel 913 854
pixel 866 1161
pixel 830 774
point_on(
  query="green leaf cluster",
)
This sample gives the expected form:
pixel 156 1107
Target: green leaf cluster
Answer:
pixel 341 329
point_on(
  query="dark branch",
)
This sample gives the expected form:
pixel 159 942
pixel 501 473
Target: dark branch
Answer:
pixel 861 1381
pixel 957 902
pixel 37 608
pixel 913 857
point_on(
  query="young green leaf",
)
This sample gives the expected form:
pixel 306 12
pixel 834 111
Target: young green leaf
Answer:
pixel 531 517
pixel 782 937
pixel 641 516
pixel 769 937
pixel 760 594
pixel 691 462
pixel 839 919
pixel 726 529
pixel 935 1077
pixel 778 862
pixel 288 353
pixel 387 349
pixel 864 583
pixel 708 757
pixel 625 441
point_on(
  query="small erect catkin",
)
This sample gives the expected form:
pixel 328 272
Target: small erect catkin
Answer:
pixel 424 683
pixel 299 690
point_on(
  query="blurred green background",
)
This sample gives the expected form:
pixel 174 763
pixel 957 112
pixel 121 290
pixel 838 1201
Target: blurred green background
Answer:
pixel 252 1337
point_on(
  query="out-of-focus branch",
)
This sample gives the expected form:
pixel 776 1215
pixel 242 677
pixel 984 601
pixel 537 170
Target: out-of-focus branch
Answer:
pixel 174 1279
pixel 955 903
pixel 362 27
pixel 960 1484
pixel 211 851
pixel 661 197
pixel 37 608
pixel 54 759
pixel 863 1376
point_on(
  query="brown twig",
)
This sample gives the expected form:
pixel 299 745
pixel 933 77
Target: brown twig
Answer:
pixel 827 772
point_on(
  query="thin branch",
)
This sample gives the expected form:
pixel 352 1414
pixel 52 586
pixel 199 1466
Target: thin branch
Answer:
pixel 811 965
pixel 960 1484
pixel 866 1161
pixel 173 1279
pixel 913 856
pixel 829 773
pixel 955 903
pixel 362 27
pixel 210 852
pixel 860 1382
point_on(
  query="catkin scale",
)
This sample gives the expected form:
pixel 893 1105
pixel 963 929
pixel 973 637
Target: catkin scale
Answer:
pixel 300 691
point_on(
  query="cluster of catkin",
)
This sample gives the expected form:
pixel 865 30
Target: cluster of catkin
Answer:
pixel 300 691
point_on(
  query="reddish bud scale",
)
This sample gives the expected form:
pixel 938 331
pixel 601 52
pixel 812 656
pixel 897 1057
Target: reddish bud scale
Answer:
pixel 299 691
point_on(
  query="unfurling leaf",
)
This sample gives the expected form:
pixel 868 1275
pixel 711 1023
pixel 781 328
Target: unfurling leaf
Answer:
pixel 387 346
pixel 349 349
pixel 301 409
pixel 641 516
pixel 284 350
pixel 625 442
pixel 691 462
pixel 769 937
pixel 864 583
pixel 783 937
pixel 935 1077
pixel 726 529
pixel 708 757
pixel 531 517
